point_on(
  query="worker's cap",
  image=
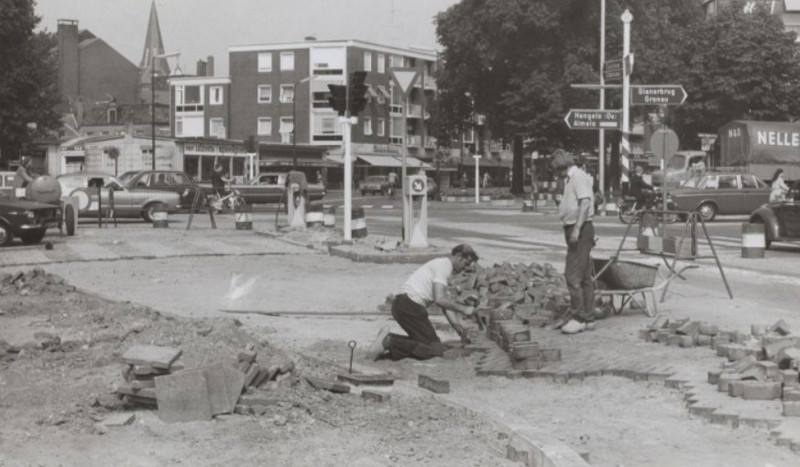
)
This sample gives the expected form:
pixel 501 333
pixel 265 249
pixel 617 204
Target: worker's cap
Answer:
pixel 466 251
pixel 562 159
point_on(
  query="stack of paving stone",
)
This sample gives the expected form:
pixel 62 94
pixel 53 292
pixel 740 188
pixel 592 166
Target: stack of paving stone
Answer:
pixel 514 337
pixel 143 363
pixel 259 375
pixel 534 293
pixel 687 333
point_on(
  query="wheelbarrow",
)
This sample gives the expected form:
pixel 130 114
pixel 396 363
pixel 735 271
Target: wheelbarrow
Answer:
pixel 622 281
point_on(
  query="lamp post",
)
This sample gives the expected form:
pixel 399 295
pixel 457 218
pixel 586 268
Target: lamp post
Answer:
pixel 153 98
pixel 294 117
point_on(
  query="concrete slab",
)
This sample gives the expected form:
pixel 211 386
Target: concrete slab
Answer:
pixel 183 396
pixel 151 355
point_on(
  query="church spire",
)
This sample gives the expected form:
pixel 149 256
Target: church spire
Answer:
pixel 153 45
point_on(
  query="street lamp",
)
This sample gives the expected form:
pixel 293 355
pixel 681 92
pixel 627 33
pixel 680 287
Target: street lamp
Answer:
pixel 294 117
pixel 153 98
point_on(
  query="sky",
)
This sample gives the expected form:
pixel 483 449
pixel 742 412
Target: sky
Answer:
pixel 198 28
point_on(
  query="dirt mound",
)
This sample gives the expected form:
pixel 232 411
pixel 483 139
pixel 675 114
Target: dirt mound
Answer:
pixel 33 281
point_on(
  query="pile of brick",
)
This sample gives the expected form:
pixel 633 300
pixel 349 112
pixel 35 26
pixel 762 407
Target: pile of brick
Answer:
pixel 534 293
pixel 514 337
pixel 760 365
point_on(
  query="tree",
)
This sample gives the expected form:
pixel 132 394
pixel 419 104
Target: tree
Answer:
pixel 28 78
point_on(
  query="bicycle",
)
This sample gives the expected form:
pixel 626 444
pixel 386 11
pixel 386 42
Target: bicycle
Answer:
pixel 629 209
pixel 232 201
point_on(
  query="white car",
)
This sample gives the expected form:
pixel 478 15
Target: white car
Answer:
pixel 128 202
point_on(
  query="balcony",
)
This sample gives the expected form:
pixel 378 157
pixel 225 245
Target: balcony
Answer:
pixel 430 82
pixel 414 141
pixel 414 111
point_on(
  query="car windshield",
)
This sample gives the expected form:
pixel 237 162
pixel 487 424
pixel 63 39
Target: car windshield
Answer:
pixel 677 161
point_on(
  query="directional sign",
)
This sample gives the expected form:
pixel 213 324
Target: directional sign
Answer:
pixel 404 77
pixel 612 70
pixel 594 119
pixel 658 94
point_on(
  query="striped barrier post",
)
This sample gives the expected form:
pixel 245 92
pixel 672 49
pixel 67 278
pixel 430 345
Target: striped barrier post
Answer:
pixel 314 216
pixel 753 240
pixel 359 223
pixel 159 216
pixel 243 217
pixel 329 216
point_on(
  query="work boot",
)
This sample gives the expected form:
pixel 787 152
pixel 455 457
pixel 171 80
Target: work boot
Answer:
pixel 573 327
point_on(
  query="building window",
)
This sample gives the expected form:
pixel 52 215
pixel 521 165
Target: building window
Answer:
pixel 264 61
pixel 381 127
pixel 367 126
pixel 396 61
pixel 111 116
pixel 217 128
pixel 381 63
pixel 179 95
pixel 192 95
pixel 264 126
pixel 216 95
pixel 287 61
pixel 367 61
pixel 287 93
pixel 178 126
pixel 264 93
pixel 409 62
pixel 287 125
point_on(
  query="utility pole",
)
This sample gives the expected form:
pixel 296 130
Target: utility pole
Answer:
pixel 601 155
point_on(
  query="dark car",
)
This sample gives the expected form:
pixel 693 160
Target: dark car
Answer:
pixel 270 188
pixel 781 219
pixel 721 193
pixel 164 180
pixel 28 220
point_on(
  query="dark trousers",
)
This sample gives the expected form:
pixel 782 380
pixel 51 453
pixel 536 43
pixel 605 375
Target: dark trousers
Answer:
pixel 578 270
pixel 422 342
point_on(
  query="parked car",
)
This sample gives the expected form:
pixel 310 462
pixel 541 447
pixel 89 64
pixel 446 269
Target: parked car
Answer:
pixel 7 184
pixel 128 201
pixel 270 187
pixel 374 184
pixel 164 180
pixel 721 193
pixel 781 219
pixel 28 220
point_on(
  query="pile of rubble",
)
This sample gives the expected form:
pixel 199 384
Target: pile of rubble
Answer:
pixel 33 281
pixel 154 378
pixel 536 294
pixel 761 365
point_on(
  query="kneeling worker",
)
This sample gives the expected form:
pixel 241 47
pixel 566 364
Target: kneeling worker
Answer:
pixel 425 286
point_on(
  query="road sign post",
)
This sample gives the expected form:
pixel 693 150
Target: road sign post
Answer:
pixel 593 119
pixel 405 78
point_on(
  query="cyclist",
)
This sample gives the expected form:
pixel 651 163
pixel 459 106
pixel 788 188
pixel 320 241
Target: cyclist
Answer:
pixel 639 189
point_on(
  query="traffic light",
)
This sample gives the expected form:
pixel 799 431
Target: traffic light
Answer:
pixel 358 91
pixel 338 99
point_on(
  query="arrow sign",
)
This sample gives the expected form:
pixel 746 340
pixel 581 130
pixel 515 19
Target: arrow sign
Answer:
pixel 594 119
pixel 658 94
pixel 404 77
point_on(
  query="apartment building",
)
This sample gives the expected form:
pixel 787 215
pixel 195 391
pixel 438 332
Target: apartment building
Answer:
pixel 787 10
pixel 279 100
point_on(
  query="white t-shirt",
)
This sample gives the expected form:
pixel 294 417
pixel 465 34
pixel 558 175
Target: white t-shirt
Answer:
pixel 419 287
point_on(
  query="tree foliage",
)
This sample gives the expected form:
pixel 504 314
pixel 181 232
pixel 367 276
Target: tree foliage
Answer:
pixel 517 58
pixel 28 77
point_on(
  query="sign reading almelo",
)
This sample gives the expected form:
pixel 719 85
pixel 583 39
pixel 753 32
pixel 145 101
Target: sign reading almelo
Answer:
pixel 593 119
pixel 658 94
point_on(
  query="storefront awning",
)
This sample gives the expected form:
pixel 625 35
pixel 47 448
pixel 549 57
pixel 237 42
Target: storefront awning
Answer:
pixel 414 163
pixel 379 161
pixel 301 162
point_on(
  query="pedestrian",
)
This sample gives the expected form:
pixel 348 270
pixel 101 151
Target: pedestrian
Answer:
pixel 779 188
pixel 23 177
pixel 576 210
pixel 218 180
pixel 426 286
pixel 486 179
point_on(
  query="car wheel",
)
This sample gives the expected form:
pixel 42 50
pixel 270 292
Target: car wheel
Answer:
pixel 70 219
pixel 5 235
pixel 708 211
pixel 32 237
pixel 147 214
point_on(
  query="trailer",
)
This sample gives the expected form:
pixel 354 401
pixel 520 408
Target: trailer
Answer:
pixel 761 147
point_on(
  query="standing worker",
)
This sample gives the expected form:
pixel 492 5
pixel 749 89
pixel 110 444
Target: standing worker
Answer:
pixel 576 211
pixel 425 286
pixel 23 177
